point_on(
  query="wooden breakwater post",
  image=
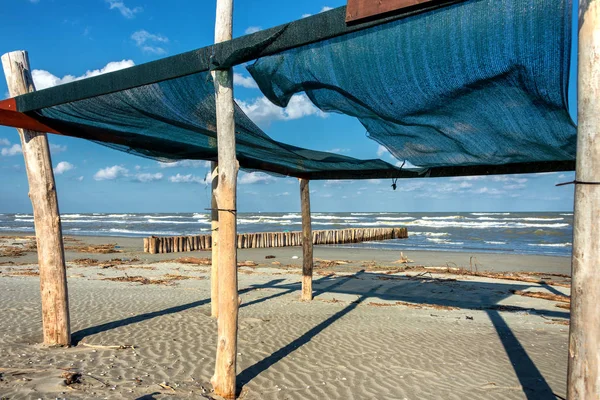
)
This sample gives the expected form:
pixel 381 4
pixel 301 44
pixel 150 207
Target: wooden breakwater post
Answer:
pixel 179 244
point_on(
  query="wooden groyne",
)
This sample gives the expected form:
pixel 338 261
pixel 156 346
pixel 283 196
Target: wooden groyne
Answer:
pixel 177 244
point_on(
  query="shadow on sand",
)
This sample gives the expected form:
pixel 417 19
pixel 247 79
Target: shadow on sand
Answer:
pixel 470 295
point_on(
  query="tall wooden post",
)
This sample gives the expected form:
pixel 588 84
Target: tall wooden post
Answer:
pixel 583 380
pixel 307 244
pixel 214 216
pixel 225 367
pixel 42 193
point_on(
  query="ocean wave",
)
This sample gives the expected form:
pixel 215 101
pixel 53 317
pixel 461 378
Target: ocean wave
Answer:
pixel 362 214
pixel 200 215
pixel 443 218
pixel 482 213
pixel 566 214
pixel 16 228
pixel 429 234
pixel 394 218
pixel 153 221
pixel 23 215
pixel 492 242
pixel 263 221
pixel 551 244
pixel 480 225
pixel 332 217
pixel 273 217
pixel 134 232
pixel 171 216
pixel 516 219
pixel 444 241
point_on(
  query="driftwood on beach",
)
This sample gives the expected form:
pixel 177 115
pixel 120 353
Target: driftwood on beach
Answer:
pixel 176 244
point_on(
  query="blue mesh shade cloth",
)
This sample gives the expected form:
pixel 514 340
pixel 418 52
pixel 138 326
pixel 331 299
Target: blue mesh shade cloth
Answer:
pixel 483 82
pixel 176 119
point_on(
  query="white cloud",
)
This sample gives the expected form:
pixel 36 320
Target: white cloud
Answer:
pixel 146 40
pixel 467 178
pixel 12 151
pixel 487 190
pixel 464 185
pixel 110 173
pixel 252 29
pixel 282 194
pixel 244 81
pixel 63 167
pixel 262 110
pixel 504 178
pixel 137 167
pixel 338 150
pixel 80 178
pixel 123 9
pixel 147 177
pixel 515 186
pixel 381 151
pixel 44 79
pixel 185 164
pixel 325 8
pixel 57 148
pixel 4 142
pixel 255 177
pixel 189 178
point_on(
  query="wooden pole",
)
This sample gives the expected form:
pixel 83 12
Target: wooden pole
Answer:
pixel 225 366
pixel 307 245
pixel 42 193
pixel 583 378
pixel 214 216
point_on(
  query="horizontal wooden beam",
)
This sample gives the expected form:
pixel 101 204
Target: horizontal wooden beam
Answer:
pixel 362 10
pixel 9 116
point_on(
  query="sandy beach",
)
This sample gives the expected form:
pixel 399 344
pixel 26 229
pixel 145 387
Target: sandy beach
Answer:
pixel 377 328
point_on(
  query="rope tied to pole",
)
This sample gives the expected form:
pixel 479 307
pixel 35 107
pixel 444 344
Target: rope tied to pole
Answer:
pixel 576 182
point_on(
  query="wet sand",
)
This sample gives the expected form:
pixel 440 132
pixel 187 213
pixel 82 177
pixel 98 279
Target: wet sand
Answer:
pixel 370 333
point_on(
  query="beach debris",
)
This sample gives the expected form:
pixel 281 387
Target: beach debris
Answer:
pixel 11 251
pixel 95 248
pixel 403 259
pixel 117 347
pixel 542 295
pixel 268 257
pixel 25 272
pixel 92 262
pixel 71 377
pixel 329 263
pixel 167 279
pixel 194 260
pixel 294 257
pixel 468 317
pixel 165 385
pixel 247 263
pixel 563 305
pixel 473 263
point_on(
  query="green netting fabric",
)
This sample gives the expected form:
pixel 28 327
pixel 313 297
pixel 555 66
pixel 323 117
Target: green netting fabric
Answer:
pixel 480 82
pixel 175 119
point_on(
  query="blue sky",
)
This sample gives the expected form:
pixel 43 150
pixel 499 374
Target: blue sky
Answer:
pixel 68 39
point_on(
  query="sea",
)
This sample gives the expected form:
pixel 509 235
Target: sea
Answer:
pixel 547 233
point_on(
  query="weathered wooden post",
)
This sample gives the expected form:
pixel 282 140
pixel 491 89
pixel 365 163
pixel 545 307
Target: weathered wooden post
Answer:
pixel 583 381
pixel 307 243
pixel 42 193
pixel 225 366
pixel 214 217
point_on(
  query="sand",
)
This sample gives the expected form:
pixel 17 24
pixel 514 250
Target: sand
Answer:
pixel 368 334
